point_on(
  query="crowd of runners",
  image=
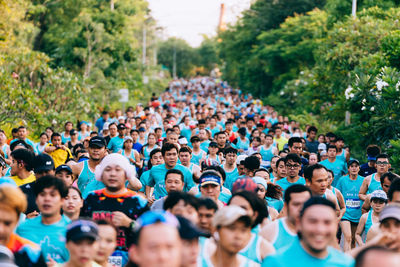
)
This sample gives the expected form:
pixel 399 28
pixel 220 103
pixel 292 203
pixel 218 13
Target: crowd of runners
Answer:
pixel 201 175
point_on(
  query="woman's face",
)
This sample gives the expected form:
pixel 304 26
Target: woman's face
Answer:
pixel 73 202
pixel 261 191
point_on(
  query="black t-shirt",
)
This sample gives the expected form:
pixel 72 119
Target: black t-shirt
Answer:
pixel 30 197
pixel 366 170
pixel 99 205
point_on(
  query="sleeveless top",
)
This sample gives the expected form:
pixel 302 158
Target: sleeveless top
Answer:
pixel 368 224
pixel 146 153
pixel 87 181
pixel 266 155
pixel 242 144
pixel 283 237
pixel 252 249
pixel 197 157
pixel 373 185
pixel 342 156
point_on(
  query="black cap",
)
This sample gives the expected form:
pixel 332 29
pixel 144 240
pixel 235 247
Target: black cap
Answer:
pixel 43 162
pixel 82 229
pixel 64 167
pixel 97 141
pixel 189 231
pixel 353 161
pixel 195 139
pixel 73 132
pixel 121 126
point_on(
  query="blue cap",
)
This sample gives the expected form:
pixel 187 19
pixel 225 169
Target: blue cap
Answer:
pixel 208 177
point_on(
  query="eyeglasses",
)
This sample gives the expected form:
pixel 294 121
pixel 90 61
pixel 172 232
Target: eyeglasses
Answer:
pixel 294 166
pixel 152 217
pixel 382 163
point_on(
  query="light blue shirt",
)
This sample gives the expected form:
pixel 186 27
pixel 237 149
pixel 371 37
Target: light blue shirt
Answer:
pixel 51 238
pixel 231 178
pixel 284 183
pixel 338 167
pixel 157 179
pixel 349 189
pixel 295 255
pixel 115 144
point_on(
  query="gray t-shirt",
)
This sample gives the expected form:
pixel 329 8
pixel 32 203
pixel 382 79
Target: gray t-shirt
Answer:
pixel 158 204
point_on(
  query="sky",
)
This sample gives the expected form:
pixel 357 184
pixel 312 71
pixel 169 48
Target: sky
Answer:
pixel 189 19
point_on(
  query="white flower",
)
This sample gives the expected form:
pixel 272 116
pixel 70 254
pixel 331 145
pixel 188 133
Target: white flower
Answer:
pixel 348 91
pixel 364 101
pixel 282 93
pixel 380 84
pixel 351 95
pixel 372 108
pixel 397 86
pixel 295 93
pixel 363 108
pixel 301 72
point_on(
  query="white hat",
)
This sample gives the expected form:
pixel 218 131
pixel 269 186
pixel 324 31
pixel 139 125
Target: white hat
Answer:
pixel 115 159
pixel 240 158
pixel 322 146
pixel 106 125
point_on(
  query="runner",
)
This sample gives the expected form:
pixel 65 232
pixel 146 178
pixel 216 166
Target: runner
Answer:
pixel 207 210
pixel 59 152
pixel 229 167
pixel 293 166
pixel 116 143
pixel 174 181
pixel 73 203
pixel 334 164
pixel 22 163
pixel 107 242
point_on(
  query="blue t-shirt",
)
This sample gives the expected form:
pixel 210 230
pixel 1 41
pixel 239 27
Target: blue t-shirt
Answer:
pixel 29 142
pixel 157 179
pixel 231 177
pixel 295 255
pixel 349 189
pixel 284 183
pixel 144 179
pixel 51 238
pixel 338 167
pixel 115 144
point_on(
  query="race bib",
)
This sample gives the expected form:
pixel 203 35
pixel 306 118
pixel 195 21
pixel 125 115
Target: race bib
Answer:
pixel 353 203
pixel 115 261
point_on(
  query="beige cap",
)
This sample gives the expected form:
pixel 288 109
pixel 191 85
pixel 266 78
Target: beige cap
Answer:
pixel 391 210
pixel 228 215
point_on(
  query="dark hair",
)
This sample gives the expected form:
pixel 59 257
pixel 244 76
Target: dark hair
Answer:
pixel 48 181
pixel 279 161
pixel 167 147
pixel 24 155
pixel 261 170
pixel 309 170
pixel 133 131
pixel 185 149
pixel 108 223
pixel 43 134
pixel 256 204
pixel 394 187
pixel 174 197
pixel 55 134
pixel 77 190
pixel 312 129
pixel 339 138
pixel 175 171
pixel 293 140
pixel 293 189
pixel 221 132
pixel 360 258
pixel 208 203
pixel 21 127
pixel 317 201
pixel 230 149
pixel 390 176
pixel 152 153
pixel 274 191
pixel 169 130
pixel 251 163
pixel 20 142
pixel 293 157
pixel 331 146
pixel 328 170
pixel 382 156
pixel 218 169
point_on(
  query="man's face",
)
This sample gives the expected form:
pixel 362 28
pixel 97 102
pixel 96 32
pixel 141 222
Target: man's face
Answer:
pixel 229 127
pixel 230 158
pixel 297 148
pixel 382 165
pixel 134 136
pixel 49 202
pixel 185 157
pixel 113 130
pixel 22 133
pixel 82 251
pixel 234 237
pixel 56 141
pixel 190 251
pixel 185 210
pixel 172 138
pixel 221 139
pixel 202 135
pixel 121 132
pixel 331 153
pixel 377 205
pixel 292 168
pixel 319 182
pixel 392 227
pixel 278 132
pixel 318 227
pixel 269 140
pixel 114 177
pixel 312 135
pixel 8 222
pixel 173 182
pixel 205 218
pixel 354 168
pixel 65 176
pixel 241 169
pixel 313 159
pixel 16 166
pixel 171 158
pixel 96 153
pixel 210 190
pixel 262 174
pixel 386 185
pixel 339 144
pixel 296 204
pixel 157 159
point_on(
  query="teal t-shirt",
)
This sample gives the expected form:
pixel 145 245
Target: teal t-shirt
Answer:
pixel 144 179
pixel 284 183
pixel 51 238
pixel 115 144
pixel 157 179
pixel 349 189
pixel 295 255
pixel 231 177
pixel 338 167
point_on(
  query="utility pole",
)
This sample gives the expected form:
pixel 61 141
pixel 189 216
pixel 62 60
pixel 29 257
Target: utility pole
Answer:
pixel 144 45
pixel 174 62
pixel 354 8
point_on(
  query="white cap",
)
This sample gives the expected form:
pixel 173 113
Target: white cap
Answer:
pixel 322 146
pixel 240 158
pixel 106 125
